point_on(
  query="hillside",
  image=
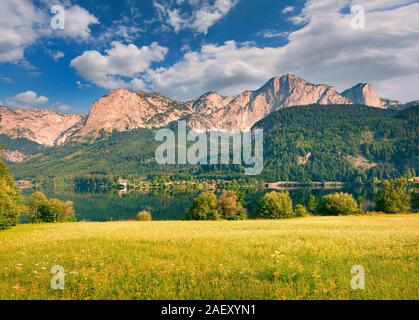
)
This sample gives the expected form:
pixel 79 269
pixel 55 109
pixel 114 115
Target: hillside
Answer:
pixel 339 143
pixel 311 143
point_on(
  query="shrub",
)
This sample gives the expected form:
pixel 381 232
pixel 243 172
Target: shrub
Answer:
pixel 312 204
pixel 338 204
pixel 40 209
pixel 37 207
pixel 275 205
pixel 144 216
pixel 11 205
pixel 393 197
pixel 60 211
pixel 204 207
pixel 230 206
pixel 300 210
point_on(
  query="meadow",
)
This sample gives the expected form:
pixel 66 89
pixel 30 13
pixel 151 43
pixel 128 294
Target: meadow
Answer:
pixel 305 258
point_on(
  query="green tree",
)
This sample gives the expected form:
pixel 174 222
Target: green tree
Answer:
pixel 60 211
pixel 275 205
pixel 11 205
pixel 393 197
pixel 338 204
pixel 312 204
pixel 144 216
pixel 38 210
pixel 230 206
pixel 204 207
pixel 41 209
pixel 11 201
pixel 300 210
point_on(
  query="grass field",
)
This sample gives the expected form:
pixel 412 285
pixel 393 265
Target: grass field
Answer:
pixel 307 258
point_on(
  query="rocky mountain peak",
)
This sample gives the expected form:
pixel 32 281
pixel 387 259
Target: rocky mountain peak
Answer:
pixel 123 110
pixel 44 126
pixel 364 93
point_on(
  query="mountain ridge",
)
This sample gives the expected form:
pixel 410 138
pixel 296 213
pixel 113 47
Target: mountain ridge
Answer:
pixel 124 110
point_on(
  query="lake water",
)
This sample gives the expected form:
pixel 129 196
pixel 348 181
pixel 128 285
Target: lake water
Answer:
pixel 171 204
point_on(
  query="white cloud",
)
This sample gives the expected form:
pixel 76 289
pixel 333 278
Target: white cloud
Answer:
pixel 19 22
pixel 288 9
pixel 27 99
pixel 325 50
pixel 230 68
pixel 268 34
pixel 22 24
pixel 204 14
pixel 77 23
pixel 56 55
pixel 119 62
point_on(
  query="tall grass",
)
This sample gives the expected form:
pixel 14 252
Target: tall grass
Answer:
pixel 306 258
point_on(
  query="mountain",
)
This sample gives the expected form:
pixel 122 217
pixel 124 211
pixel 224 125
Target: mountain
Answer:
pixel 123 110
pixel 308 143
pixel 45 127
pixel 365 93
pixel 215 112
pixel 409 105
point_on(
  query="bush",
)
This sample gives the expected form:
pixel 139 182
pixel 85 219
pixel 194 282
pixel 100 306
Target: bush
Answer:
pixel 37 207
pixel 144 216
pixel 204 207
pixel 40 209
pixel 300 210
pixel 337 204
pixel 11 205
pixel 393 197
pixel 230 206
pixel 275 205
pixel 312 204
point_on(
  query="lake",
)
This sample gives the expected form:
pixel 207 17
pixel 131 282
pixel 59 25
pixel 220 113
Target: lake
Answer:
pixel 171 204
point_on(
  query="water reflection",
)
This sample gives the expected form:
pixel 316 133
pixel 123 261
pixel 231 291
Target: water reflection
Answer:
pixel 171 204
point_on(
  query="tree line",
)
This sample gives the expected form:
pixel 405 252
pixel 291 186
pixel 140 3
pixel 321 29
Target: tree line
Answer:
pixel 37 207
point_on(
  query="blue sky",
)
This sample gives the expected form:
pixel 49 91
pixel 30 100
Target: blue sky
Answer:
pixel 184 48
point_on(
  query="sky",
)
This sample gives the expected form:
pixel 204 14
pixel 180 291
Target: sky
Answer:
pixel 185 48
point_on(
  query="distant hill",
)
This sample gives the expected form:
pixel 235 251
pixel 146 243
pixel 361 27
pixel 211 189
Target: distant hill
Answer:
pixel 308 143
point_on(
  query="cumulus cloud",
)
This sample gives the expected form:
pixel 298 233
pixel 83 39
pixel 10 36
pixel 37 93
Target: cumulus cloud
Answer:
pixel 77 23
pixel 22 24
pixel 229 68
pixel 204 14
pixel 27 99
pixel 19 28
pixel 120 62
pixel 325 49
